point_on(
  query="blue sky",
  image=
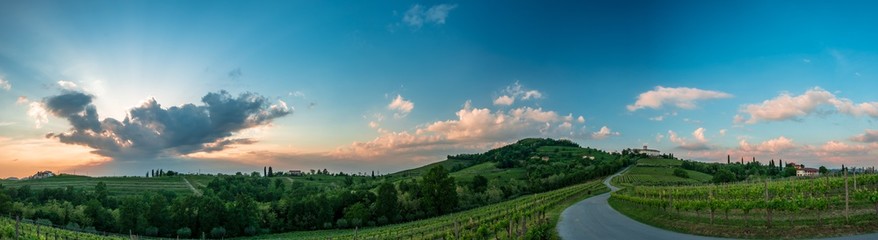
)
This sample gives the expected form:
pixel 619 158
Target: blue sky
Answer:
pixel 392 85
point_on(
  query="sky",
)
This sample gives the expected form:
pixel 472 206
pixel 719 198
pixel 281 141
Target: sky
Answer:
pixel 121 87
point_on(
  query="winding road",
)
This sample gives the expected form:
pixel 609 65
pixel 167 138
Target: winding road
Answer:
pixel 593 218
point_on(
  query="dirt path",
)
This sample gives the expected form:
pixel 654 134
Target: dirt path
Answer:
pixel 197 193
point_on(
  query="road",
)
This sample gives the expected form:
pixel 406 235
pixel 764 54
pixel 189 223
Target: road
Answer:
pixel 593 218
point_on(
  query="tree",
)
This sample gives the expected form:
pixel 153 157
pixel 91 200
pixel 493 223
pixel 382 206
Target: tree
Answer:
pixel 270 172
pixel 439 194
pixel 157 213
pixel 184 232
pixel 264 171
pixel 357 214
pixel 723 176
pixel 131 215
pixel 729 159
pixel 823 170
pixel 387 204
pixel 479 184
pixel 101 193
pixel 789 171
pixel 681 173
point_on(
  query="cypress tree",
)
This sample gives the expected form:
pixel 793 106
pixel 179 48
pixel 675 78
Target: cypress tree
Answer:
pixel 729 159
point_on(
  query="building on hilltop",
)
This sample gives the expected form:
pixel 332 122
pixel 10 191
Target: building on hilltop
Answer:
pixel 806 172
pixel 296 172
pixel 647 151
pixel 42 174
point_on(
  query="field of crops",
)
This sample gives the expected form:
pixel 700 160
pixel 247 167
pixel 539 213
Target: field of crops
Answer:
pixel 514 218
pixel 659 172
pixel 115 185
pixel 28 230
pixel 811 206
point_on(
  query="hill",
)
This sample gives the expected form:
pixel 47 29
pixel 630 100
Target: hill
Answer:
pixel 660 172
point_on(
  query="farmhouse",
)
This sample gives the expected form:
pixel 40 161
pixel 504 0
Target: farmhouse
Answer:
pixel 295 172
pixel 647 151
pixel 806 172
pixel 42 174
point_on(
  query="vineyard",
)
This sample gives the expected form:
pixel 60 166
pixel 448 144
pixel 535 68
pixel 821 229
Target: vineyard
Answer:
pixel 27 229
pixel 527 215
pixel 659 172
pixel 115 185
pixel 809 207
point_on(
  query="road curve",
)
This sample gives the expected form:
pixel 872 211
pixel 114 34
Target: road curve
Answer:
pixel 593 218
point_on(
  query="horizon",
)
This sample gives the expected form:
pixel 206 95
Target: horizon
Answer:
pixel 111 88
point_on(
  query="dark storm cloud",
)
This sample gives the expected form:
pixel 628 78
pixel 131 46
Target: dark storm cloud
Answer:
pixel 150 130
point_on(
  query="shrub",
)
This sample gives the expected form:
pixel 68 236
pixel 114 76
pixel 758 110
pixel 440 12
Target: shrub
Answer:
pixel 341 223
pixel 151 231
pixel 681 173
pixel 73 226
pixel 218 232
pixel 184 232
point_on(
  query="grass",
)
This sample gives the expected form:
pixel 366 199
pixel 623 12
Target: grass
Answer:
pixel 447 164
pixel 115 185
pixel 659 172
pixel 489 170
pixel 755 225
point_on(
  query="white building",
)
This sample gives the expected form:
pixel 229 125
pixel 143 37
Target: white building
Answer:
pixel 647 151
pixel 806 172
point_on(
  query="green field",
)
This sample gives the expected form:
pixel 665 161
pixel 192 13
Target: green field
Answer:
pixel 508 219
pixel 490 171
pixel 28 230
pixel 447 164
pixel 115 185
pixel 659 172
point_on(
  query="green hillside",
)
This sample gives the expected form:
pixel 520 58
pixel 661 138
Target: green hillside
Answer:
pixel 115 185
pixel 660 171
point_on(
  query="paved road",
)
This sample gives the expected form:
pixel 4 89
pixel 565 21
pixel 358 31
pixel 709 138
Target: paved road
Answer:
pixel 593 218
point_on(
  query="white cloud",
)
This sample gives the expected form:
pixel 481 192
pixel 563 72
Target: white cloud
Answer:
pixel 568 118
pixel 775 145
pixel 722 132
pixel 504 100
pixel 699 144
pixel 4 84
pixel 659 137
pixel 658 118
pixel 699 135
pixel 67 85
pixel 532 94
pixel 373 124
pixel 298 94
pixel 437 14
pixel 681 97
pixel 474 128
pixel 401 106
pixel 604 132
pixel 516 90
pixel 580 119
pixel 3 124
pixel 416 16
pixel 22 100
pixel 38 112
pixel 786 106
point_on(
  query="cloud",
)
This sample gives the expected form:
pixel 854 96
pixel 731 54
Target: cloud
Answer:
pixel 786 107
pixel 776 145
pixel 681 97
pixel 722 132
pixel 700 143
pixel 67 85
pixel 604 132
pixel 504 100
pixel 580 119
pixel 532 94
pixel 516 90
pixel 4 84
pixel 659 137
pixel 22 100
pixel 401 106
pixel 870 136
pixel 3 124
pixel 658 118
pixel 473 128
pixel 151 130
pixel 37 112
pixel 416 16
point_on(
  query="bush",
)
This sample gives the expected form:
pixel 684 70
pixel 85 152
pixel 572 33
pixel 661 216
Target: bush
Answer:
pixel 681 173
pixel 218 232
pixel 151 231
pixel 327 225
pixel 341 223
pixel 250 230
pixel 184 232
pixel 73 226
